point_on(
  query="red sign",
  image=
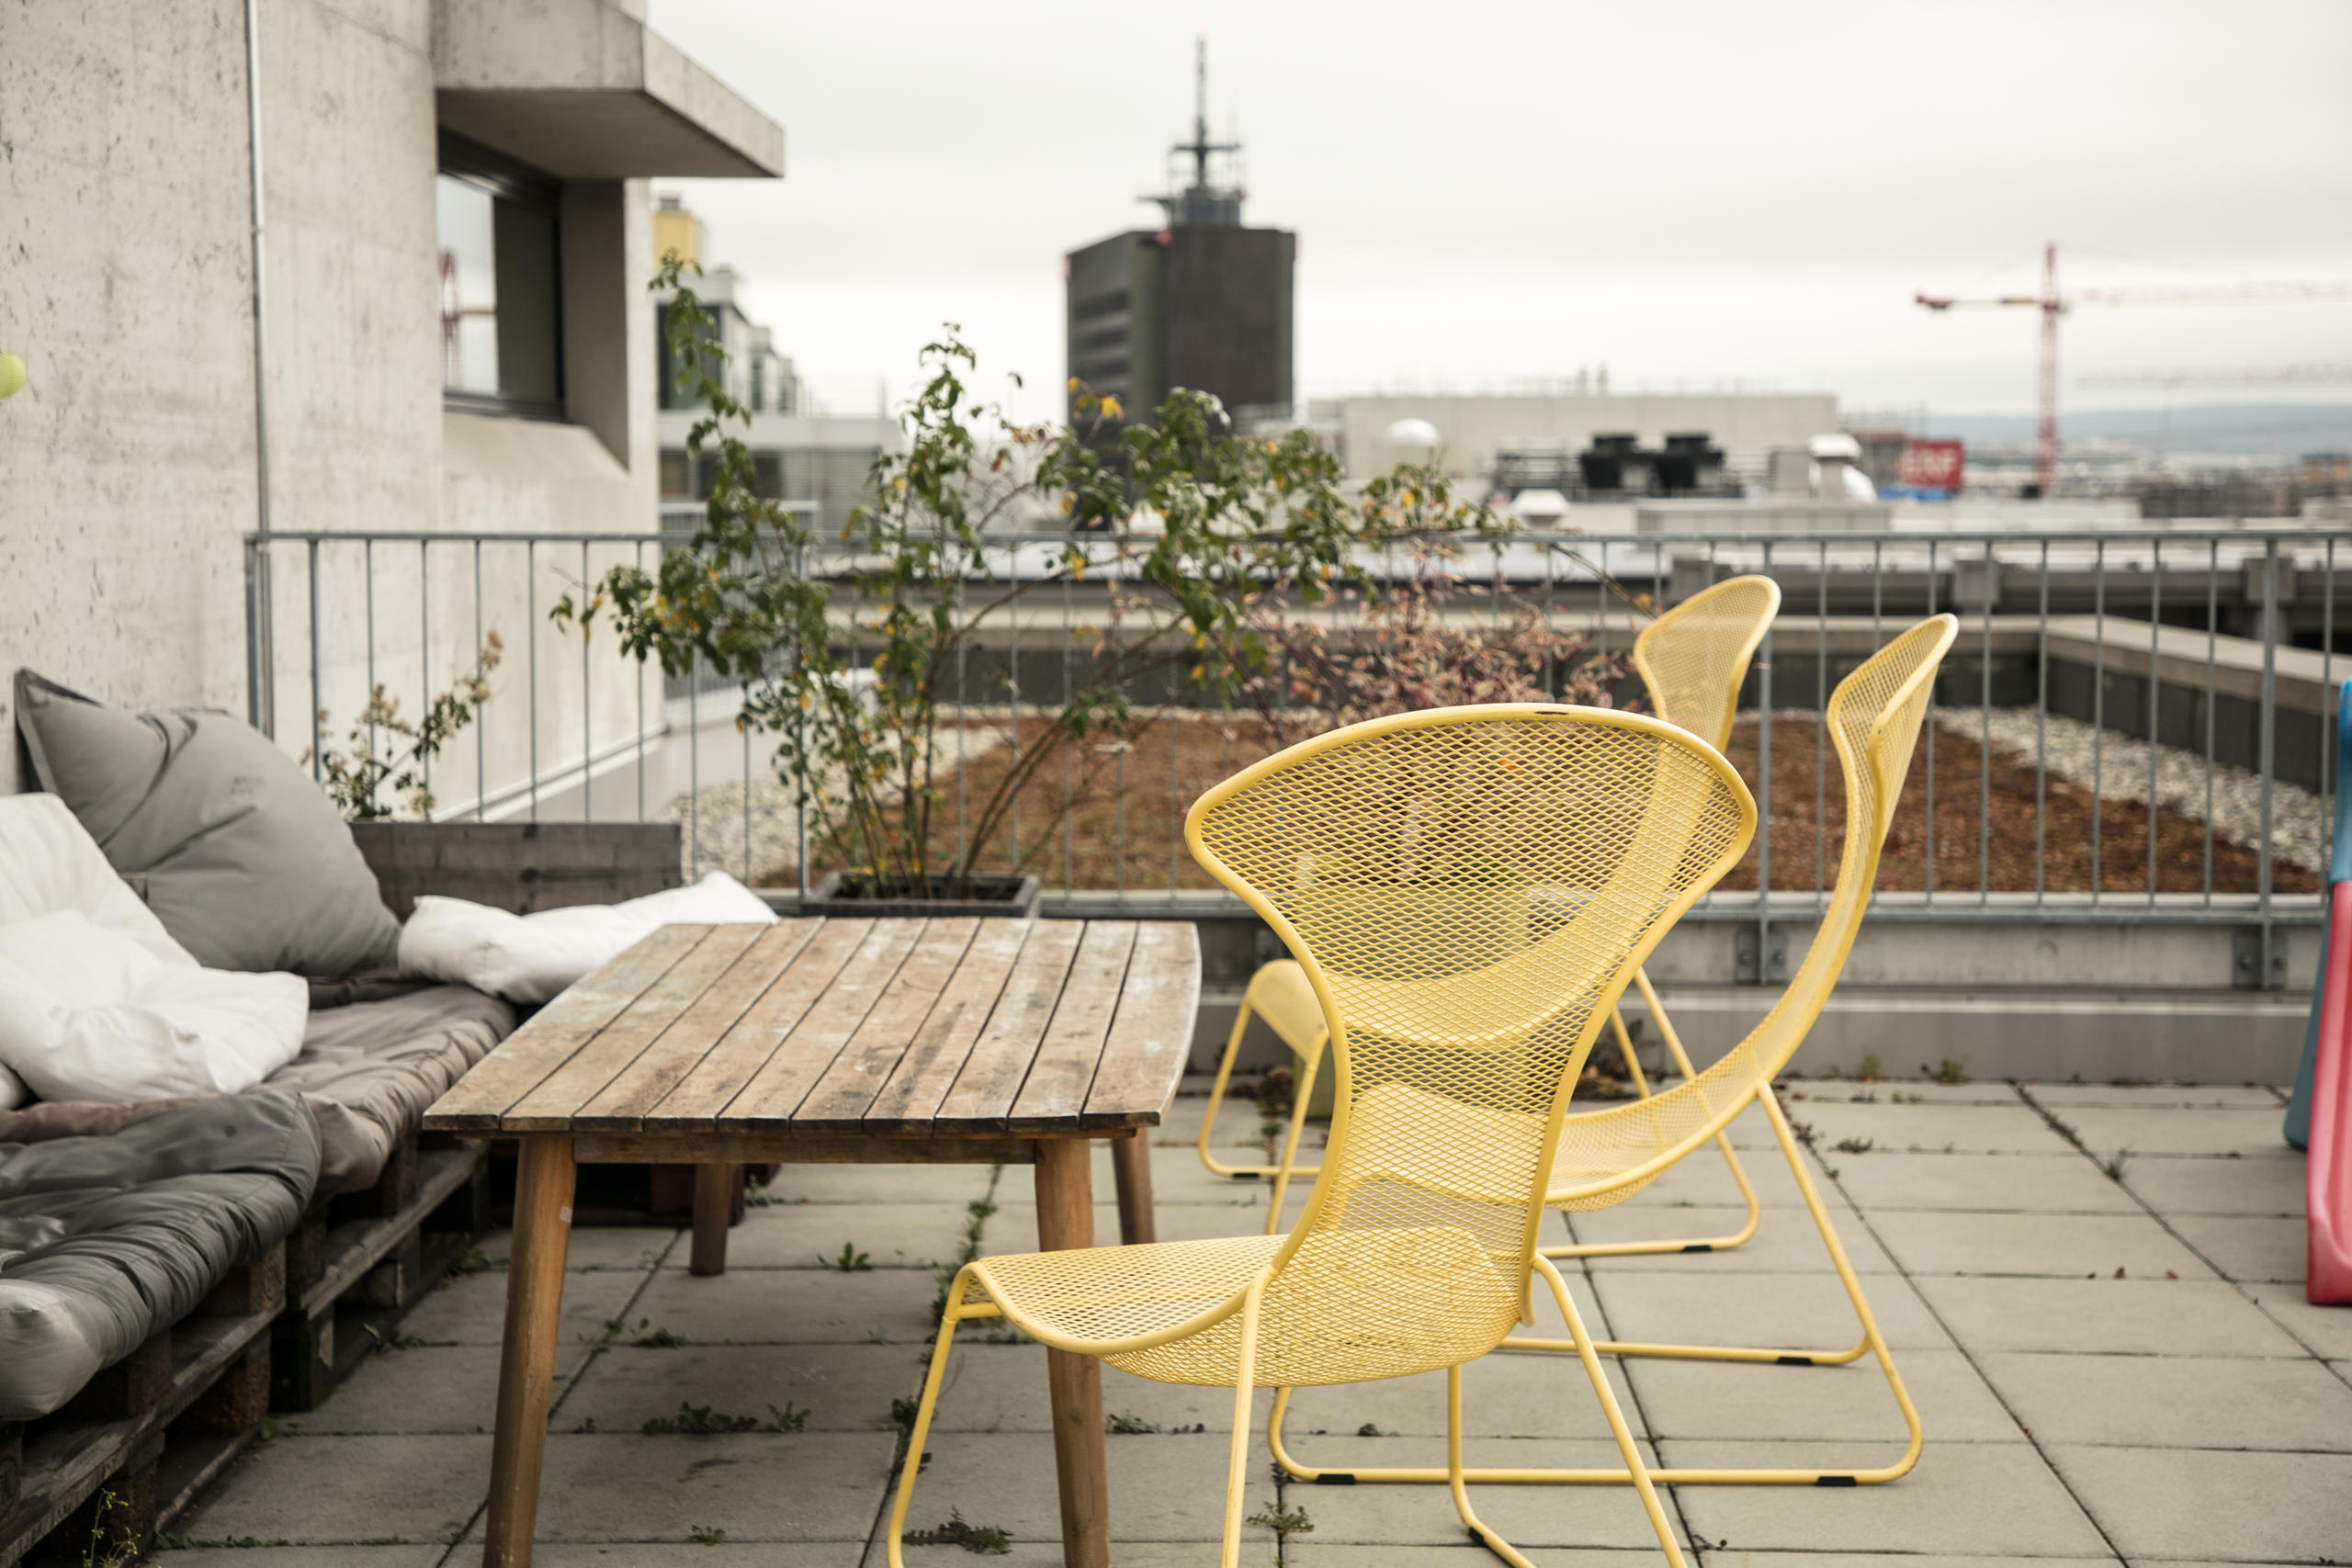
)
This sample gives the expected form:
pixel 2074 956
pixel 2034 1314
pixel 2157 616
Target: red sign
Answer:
pixel 1933 465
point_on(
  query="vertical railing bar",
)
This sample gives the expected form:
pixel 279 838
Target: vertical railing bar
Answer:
pixel 1763 796
pixel 693 761
pixel 2099 719
pixel 253 550
pixel 481 731
pixel 1069 832
pixel 424 640
pixel 368 597
pixel 2270 620
pixel 2212 640
pixel 1929 886
pixel 531 663
pixel 1013 694
pixel 2329 709
pixel 637 557
pixel 587 716
pixel 2041 738
pixel 1985 734
pixel 1820 719
pixel 1551 663
pixel 318 724
pixel 1601 606
pixel 2155 645
pixel 963 740
pixel 801 569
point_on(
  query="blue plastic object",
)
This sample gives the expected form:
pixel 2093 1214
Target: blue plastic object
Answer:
pixel 2339 869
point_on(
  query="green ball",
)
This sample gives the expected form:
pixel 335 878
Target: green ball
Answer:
pixel 12 375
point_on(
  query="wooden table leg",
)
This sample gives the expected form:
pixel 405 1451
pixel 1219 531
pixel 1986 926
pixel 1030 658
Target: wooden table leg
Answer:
pixel 714 1200
pixel 1131 1164
pixel 526 1363
pixel 1066 1219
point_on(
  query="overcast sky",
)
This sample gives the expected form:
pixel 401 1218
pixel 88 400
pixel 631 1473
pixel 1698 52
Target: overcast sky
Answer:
pixel 1697 194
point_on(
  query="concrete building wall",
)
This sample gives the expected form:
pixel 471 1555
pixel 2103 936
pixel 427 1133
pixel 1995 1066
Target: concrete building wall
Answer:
pixel 1473 428
pixel 129 465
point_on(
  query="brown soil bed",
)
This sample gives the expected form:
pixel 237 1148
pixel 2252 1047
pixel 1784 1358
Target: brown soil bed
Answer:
pixel 1125 828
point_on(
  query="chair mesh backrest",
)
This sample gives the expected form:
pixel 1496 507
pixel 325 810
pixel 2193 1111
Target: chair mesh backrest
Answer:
pixel 1470 888
pixel 1694 656
pixel 1874 719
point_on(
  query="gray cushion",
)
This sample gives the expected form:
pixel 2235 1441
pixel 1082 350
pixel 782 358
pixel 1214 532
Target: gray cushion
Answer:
pixel 105 1241
pixel 246 862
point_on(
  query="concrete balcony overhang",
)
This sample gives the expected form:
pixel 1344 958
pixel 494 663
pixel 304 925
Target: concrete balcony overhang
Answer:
pixel 583 90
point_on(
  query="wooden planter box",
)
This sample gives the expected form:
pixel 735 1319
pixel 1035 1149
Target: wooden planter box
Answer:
pixel 520 866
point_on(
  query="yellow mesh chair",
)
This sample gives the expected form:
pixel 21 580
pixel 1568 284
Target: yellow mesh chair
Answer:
pixel 1605 1157
pixel 1692 659
pixel 1380 854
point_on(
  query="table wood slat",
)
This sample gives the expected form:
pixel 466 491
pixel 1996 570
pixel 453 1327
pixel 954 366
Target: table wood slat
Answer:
pixel 991 1079
pixel 551 1107
pixel 1152 1034
pixel 1054 1091
pixel 624 1103
pixel 838 1102
pixel 693 1106
pixel 775 1091
pixel 935 1056
pixel 477 1101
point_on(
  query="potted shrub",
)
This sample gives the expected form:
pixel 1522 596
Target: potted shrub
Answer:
pixel 850 651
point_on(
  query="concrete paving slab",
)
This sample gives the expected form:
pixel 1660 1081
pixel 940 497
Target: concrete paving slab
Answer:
pixel 1875 1559
pixel 2203 1503
pixel 1783 1243
pixel 1013 1227
pixel 1302 1551
pixel 2044 1183
pixel 1946 1129
pixel 1702 1180
pixel 1796 1311
pixel 684 1554
pixel 1177 1174
pixel 310 1556
pixel 470 1309
pixel 2323 1330
pixel 845 1388
pixel 2189 1184
pixel 349 1489
pixel 1002 1388
pixel 877 1184
pixel 1166 1488
pixel 2053 1245
pixel 809 1486
pixel 1998 1498
pixel 426 1389
pixel 2110 1317
pixel 2266 1251
pixel 1915 1091
pixel 628 1249
pixel 792 1307
pixel 1048 1554
pixel 2247 1133
pixel 1529 1516
pixel 810 1236
pixel 2151 1097
pixel 1747 1402
pixel 2176 1401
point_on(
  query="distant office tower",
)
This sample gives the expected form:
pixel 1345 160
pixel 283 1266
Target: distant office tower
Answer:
pixel 1203 303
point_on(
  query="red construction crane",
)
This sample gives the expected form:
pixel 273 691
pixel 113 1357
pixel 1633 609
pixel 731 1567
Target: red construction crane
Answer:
pixel 2052 305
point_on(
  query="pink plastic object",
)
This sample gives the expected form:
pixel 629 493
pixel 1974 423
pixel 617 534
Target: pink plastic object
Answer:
pixel 2327 1278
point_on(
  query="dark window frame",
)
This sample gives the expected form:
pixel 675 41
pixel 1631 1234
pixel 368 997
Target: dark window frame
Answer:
pixel 504 179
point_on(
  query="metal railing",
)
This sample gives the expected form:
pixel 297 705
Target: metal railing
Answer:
pixel 2217 648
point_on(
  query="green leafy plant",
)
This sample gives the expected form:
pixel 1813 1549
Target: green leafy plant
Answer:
pixel 703 1421
pixel 849 648
pixel 851 1261
pixel 1283 1522
pixel 1869 1069
pixel 1127 1425
pixel 704 1534
pixel 1370 1429
pixel 1952 1070
pixel 986 1539
pixel 1854 1146
pixel 2113 1164
pixel 393 1340
pixel 359 778
pixel 791 1418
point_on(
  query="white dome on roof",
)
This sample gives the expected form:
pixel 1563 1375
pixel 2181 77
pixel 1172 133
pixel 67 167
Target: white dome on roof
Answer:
pixel 1411 432
pixel 1839 446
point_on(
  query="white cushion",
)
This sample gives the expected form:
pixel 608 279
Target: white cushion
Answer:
pixel 49 861
pixel 87 1013
pixel 529 958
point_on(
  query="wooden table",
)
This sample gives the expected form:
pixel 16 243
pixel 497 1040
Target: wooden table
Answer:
pixel 922 1042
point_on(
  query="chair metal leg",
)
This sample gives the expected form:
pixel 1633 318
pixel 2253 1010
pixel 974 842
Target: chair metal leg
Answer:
pixel 1244 1387
pixel 1722 1141
pixel 1873 1341
pixel 1216 1101
pixel 930 1402
pixel 1300 1095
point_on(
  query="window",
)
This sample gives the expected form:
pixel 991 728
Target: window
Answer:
pixel 501 337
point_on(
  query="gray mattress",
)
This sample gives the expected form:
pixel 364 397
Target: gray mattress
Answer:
pixel 367 1070
pixel 107 1240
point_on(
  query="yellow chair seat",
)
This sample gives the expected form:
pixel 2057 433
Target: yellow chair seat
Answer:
pixel 1351 1305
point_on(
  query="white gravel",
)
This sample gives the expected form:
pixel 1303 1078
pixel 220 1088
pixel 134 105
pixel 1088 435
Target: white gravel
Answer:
pixel 2297 818
pixel 715 823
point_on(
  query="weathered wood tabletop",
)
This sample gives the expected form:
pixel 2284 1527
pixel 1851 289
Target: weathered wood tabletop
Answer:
pixel 913 1040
